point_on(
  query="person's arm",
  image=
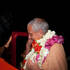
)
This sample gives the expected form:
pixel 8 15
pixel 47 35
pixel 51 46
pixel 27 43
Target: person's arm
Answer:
pixel 1 50
pixel 5 46
pixel 56 60
pixel 28 45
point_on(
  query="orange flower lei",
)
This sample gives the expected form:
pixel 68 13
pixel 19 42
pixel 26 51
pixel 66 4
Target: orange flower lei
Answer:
pixel 36 47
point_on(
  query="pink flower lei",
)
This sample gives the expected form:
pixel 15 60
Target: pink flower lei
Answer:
pixel 53 40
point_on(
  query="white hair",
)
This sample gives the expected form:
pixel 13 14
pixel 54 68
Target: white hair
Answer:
pixel 38 23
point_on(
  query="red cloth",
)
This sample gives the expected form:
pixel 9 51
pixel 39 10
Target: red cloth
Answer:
pixel 5 66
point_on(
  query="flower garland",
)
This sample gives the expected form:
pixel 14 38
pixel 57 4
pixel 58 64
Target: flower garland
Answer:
pixel 47 36
pixel 40 48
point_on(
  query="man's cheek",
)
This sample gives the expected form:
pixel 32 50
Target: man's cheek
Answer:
pixel 33 37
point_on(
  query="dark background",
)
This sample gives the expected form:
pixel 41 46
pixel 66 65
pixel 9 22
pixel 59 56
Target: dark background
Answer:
pixel 12 19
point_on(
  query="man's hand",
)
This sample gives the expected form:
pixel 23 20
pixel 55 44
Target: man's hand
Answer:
pixel 32 66
pixel 28 45
pixel 29 42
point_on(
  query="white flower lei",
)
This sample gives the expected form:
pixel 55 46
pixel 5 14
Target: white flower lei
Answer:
pixel 47 36
pixel 43 51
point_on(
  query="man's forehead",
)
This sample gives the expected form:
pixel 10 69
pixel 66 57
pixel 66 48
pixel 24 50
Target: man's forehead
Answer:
pixel 29 28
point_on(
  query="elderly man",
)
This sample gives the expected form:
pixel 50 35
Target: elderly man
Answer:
pixel 47 52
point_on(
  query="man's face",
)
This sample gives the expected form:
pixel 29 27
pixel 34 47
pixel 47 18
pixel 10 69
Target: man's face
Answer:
pixel 33 35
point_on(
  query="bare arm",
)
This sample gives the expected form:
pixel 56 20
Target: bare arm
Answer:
pixel 1 50
pixel 5 46
pixel 28 45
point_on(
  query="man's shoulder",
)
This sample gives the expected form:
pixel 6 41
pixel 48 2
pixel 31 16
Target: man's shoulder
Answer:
pixel 56 46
